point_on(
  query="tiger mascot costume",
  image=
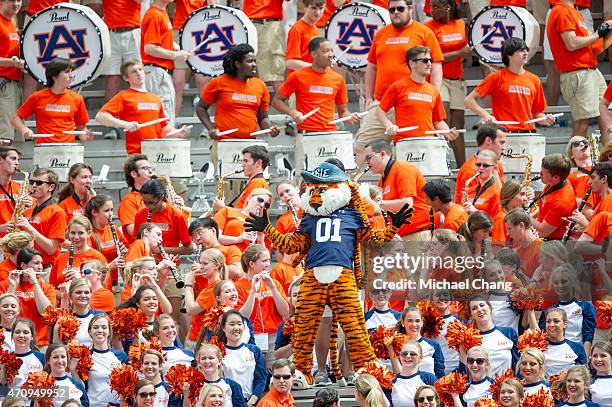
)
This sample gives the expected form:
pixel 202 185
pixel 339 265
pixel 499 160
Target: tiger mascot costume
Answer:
pixel 334 223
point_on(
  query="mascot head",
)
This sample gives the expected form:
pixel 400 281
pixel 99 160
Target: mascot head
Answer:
pixel 327 190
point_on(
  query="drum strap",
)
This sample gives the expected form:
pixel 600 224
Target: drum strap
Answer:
pixel 584 171
pixel 40 207
pixel 480 191
pixel 547 192
pixel 76 199
pixel 260 175
pixel 387 171
pixel 9 195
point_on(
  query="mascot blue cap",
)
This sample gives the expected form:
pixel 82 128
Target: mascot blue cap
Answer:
pixel 325 173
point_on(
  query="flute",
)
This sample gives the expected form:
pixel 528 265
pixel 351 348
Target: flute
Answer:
pixel 572 224
pixel 119 254
pixel 179 283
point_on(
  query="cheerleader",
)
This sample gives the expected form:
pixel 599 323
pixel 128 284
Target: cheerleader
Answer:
pixel 410 324
pixel 149 237
pixel 380 314
pixel 601 362
pixel 442 302
pixel 165 329
pixel 561 352
pixel 151 367
pixel 574 388
pixel 368 392
pixel 552 255
pixel 9 310
pixel 500 341
pixel 427 396
pixel 77 300
pixel 105 359
pixel 510 393
pixel 502 313
pixel 74 196
pixel 532 369
pixel 243 362
pixel 60 366
pixel 210 364
pixel 409 376
pixel 144 394
pixel 326 398
pixel 212 395
pixel 479 372
pixel 24 338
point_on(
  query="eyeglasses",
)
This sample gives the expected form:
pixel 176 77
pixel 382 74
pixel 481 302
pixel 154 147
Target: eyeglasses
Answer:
pixel 147 395
pixel 38 182
pixel 399 9
pixel 370 156
pixel 579 143
pixel 146 168
pixel 479 361
pixel 428 398
pixel 411 354
pixel 483 165
pixel 87 271
pixel 379 292
pixel 263 201
pixel 151 203
pixel 282 376
pixel 423 60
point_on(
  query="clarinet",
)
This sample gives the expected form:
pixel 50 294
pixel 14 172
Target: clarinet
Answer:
pixel 572 224
pixel 179 283
pixel 197 253
pixel 148 216
pixel 71 255
pixel 119 254
pixel 294 214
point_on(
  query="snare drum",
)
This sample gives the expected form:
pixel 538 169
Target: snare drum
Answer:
pixel 354 25
pixel 226 26
pixel 169 156
pixel 69 31
pixel 428 154
pixel 527 143
pixel 229 156
pixel 320 146
pixel 506 22
pixel 59 157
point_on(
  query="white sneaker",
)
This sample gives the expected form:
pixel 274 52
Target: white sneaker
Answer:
pixel 322 379
pixel 300 382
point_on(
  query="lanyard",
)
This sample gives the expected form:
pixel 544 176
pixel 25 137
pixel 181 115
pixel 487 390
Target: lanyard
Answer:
pixel 480 191
pixel 9 195
pixel 547 192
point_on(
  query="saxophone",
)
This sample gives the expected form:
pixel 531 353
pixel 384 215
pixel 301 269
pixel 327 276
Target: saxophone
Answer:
pixel 173 197
pixel 19 204
pixel 464 191
pixel 594 144
pixel 221 184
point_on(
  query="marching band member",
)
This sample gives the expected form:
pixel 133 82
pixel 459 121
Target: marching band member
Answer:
pixel 63 368
pixel 255 160
pixel 599 226
pixel 476 229
pixel 134 106
pixel 511 196
pixel 165 329
pixel 601 362
pixel 416 101
pixel 11 245
pixel 489 137
pixel 102 299
pixel 210 363
pixel 205 232
pixel 137 170
pixel 516 94
pixel 142 271
pixel 532 369
pixel 77 298
pixel 561 353
pixel 9 164
pixel 486 196
pixel 502 313
pixel 57 108
pixel 579 153
pixel 47 222
pixel 524 242
pixel 149 237
pixel 558 201
pixel 24 337
pixel 74 195
pixel 289 195
pixel 11 66
pixel 387 64
pixel 301 33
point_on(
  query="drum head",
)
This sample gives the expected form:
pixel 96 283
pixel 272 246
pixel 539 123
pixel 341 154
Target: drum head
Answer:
pixel 224 27
pixel 69 31
pixel 354 25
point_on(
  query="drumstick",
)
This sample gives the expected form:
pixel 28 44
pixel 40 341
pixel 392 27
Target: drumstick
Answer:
pixel 343 119
pixel 403 129
pixel 506 122
pixel 443 131
pixel 266 131
pixel 343 52
pixel 540 119
pixel 5 141
pixel 206 41
pixel 80 132
pixel 176 131
pixel 313 111
pixel 484 37
pixel 42 135
pixel 223 133
pixel 145 124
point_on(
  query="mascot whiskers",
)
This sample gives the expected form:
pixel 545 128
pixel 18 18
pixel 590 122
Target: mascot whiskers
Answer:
pixel 334 223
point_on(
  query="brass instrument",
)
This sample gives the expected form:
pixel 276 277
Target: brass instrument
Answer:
pixel 527 174
pixel 221 184
pixel 19 204
pixel 593 140
pixel 173 197
pixel 464 191
pixel 361 174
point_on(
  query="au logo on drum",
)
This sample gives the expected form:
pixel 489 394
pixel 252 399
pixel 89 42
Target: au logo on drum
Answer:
pixel 59 38
pixel 224 35
pixel 501 30
pixel 356 28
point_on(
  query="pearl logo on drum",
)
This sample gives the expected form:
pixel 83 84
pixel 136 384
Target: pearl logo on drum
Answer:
pixel 208 16
pixel 323 152
pixel 60 38
pixel 360 12
pixel 500 16
pixel 56 17
pixel 57 163
pixel 410 157
pixel 163 158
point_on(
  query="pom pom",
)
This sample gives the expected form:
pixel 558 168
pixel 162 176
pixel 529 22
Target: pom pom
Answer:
pixel 383 375
pixel 432 320
pixel 213 315
pixel 214 340
pixel 2 339
pixel 486 403
pixel 459 334
pixel 289 326
pixel 37 380
pixel 52 314
pixel 135 352
pixel 453 382
pixel 123 379
pixel 527 298
pixel 126 321
pixel 497 381
pixel 541 398
pixel 604 312
pixel 377 339
pixel 81 352
pixel 553 379
pixel 68 323
pixel 11 363
pixel 533 338
pixel 179 374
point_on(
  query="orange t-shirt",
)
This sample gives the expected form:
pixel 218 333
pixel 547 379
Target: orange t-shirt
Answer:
pixel 137 250
pixel 285 223
pixel 600 227
pixel 232 255
pixel 556 206
pixel 7 205
pixel 34 6
pixel 231 223
pixel 388 52
pixel 405 180
pixel 274 398
pixel 263 9
pixel 121 13
pixel 467 171
pixel 258 182
pixel 6 266
pixel 102 300
pixel 265 317
pixel 285 274
pixel 240 103
pixel 156 29
pixel 604 205
pixel 10 38
pixel 415 103
pixel 134 105
pixel 298 38
pixel 499 234
pixel 205 299
pixel 330 7
pixel 130 204
pixel 73 206
pixel 608 93
pixel 323 90
pixel 107 243
pixel 56 277
pixel 562 18
pixel 488 200
pixel 182 10
pixel 514 97
pixel 455 217
pixel 51 223
pixel 452 37
pixel 530 256
pixel 580 181
pixel 172 223
pixel 27 303
pixel 55 113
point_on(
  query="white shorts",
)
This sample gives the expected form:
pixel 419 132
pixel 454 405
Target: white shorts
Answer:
pixel 159 82
pixel 124 45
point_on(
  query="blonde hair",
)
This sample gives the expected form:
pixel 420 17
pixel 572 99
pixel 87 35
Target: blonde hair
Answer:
pixel 568 148
pixel 82 221
pixel 560 386
pixel 485 353
pixel 205 393
pixel 516 385
pixel 13 242
pixel 260 191
pixel 538 355
pixel 96 265
pixel 369 388
pixel 209 346
pixel 218 259
pixel 567 270
pixel 555 250
pixel 134 267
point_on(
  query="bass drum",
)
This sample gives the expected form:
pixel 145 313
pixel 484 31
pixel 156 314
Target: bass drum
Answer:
pixel 221 27
pixel 351 30
pixel 68 31
pixel 495 24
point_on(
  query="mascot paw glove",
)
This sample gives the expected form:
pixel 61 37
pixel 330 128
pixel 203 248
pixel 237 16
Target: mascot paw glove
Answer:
pixel 257 223
pixel 400 218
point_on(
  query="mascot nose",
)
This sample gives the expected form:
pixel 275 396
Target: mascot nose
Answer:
pixel 316 201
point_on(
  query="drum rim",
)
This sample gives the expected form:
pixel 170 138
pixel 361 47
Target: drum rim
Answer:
pixel 242 140
pixel 78 10
pixel 358 3
pixel 164 139
pixel 321 133
pixel 524 134
pixel 190 16
pixel 434 138
pixel 471 43
pixel 58 144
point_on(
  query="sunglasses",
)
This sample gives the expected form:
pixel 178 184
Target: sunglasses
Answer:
pixel 399 9
pixel 424 60
pixel 479 361
pixel 87 271
pixel 263 201
pixel 579 143
pixel 145 395
pixel 411 354
pixel 483 165
pixel 38 182
pixel 282 376
pixel 428 398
